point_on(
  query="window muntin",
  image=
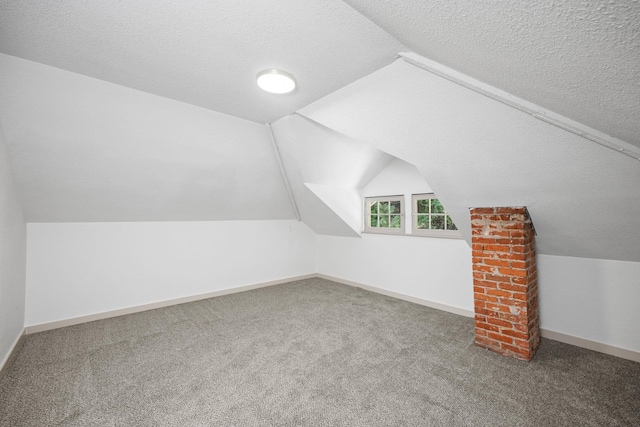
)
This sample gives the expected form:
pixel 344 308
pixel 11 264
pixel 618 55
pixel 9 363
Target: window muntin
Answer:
pixel 430 217
pixel 384 214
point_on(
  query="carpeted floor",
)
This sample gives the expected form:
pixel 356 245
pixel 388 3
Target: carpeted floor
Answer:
pixel 310 353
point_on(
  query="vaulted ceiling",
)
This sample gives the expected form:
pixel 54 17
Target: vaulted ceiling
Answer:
pixel 148 111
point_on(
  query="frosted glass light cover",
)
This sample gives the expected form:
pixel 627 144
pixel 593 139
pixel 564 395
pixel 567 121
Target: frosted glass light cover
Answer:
pixel 276 81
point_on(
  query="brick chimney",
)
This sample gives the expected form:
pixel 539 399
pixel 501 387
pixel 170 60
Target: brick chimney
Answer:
pixel 505 281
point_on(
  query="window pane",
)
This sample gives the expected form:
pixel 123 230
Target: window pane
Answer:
pixel 384 207
pixel 395 207
pixel 450 224
pixel 383 221
pixel 423 206
pixel 423 222
pixel 436 206
pixel 437 222
pixel 374 208
pixel 374 220
pixel 395 221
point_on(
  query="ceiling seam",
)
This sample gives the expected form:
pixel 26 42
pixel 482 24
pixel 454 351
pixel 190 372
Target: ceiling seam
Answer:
pixel 538 112
pixel 283 172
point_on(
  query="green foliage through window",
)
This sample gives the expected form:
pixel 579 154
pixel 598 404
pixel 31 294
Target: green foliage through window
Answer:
pixel 385 214
pixel 431 215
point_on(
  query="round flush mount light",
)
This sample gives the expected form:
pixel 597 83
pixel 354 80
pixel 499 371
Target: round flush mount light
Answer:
pixel 276 81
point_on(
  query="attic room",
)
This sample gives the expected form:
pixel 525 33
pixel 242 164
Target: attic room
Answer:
pixel 147 184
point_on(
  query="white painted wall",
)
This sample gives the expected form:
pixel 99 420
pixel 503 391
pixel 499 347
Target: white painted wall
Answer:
pixel 476 152
pixel 398 177
pixel 12 258
pixel 595 299
pixel 79 269
pixel 432 269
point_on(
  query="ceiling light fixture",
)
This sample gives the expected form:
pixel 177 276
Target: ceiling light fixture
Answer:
pixel 276 81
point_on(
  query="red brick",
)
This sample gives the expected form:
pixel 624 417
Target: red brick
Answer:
pixel 483 240
pixel 487 327
pixel 519 296
pixel 497 307
pixel 497 248
pixel 484 268
pixel 499 337
pixel 512 287
pixel 504 267
pixel 525 353
pixel 513 318
pixel 485 283
pixel 513 226
pixel 495 278
pixel 511 256
pixel 481 211
pixel 497 262
pixel 486 342
pixel 499 322
pixel 483 297
pixel 514 334
pixel 513 272
pixel 521 343
pixel 498 293
pixel 520 264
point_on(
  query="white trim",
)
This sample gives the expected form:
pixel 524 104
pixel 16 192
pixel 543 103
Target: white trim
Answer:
pixel 32 329
pixel 416 300
pixel 447 234
pixel 11 354
pixel 527 107
pixel 545 333
pixel 384 230
pixel 612 350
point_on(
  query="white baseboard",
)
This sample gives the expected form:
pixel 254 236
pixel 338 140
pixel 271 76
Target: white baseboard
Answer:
pixel 416 300
pixel 11 355
pixel 545 333
pixel 32 329
pixel 612 350
pixel 553 335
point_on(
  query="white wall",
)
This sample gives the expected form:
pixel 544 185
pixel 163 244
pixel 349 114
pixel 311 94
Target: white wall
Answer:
pixel 12 258
pixel 432 269
pixel 398 177
pixel 476 152
pixel 595 299
pixel 79 269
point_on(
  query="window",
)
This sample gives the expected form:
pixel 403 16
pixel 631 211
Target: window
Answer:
pixel 384 214
pixel 430 218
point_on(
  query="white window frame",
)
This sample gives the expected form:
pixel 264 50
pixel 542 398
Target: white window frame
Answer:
pixel 384 230
pixel 452 234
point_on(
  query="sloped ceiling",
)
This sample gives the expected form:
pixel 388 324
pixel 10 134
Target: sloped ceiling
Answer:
pixel 476 152
pixel 580 59
pixel 86 150
pixel 206 53
pixel 327 172
pixel 142 111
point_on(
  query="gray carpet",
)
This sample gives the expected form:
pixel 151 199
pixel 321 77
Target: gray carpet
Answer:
pixel 310 353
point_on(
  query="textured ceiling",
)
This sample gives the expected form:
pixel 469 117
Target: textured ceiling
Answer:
pixel 146 110
pixel 478 152
pixel 580 59
pixel 206 53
